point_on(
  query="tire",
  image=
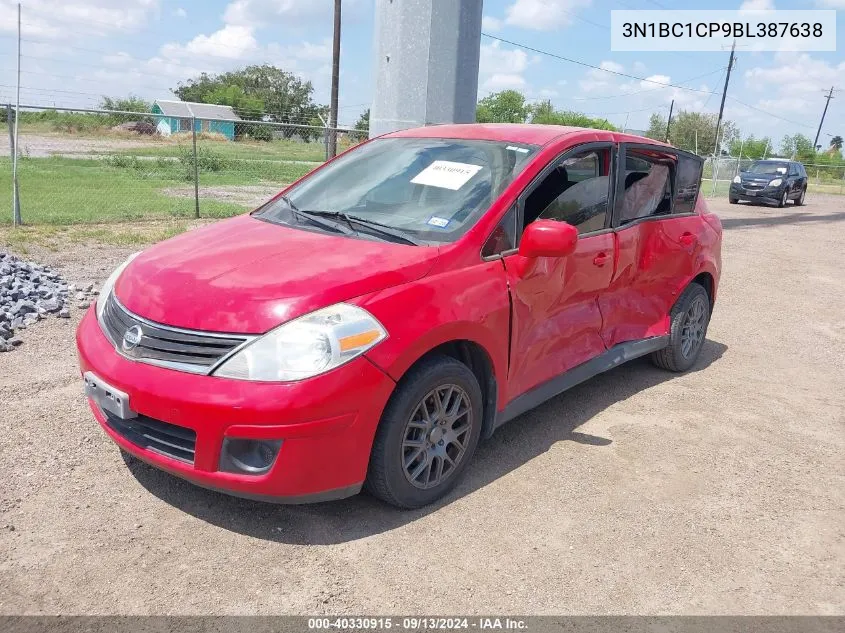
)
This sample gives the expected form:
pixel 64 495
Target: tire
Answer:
pixel 693 304
pixel 393 463
pixel 783 199
pixel 733 200
pixel 799 201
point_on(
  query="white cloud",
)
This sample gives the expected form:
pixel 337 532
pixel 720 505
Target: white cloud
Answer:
pixel 796 74
pixel 70 18
pixel 503 81
pixel 256 13
pixel 652 80
pixel 757 5
pixel 232 41
pixel 502 68
pixel 180 13
pixel 544 15
pixel 495 59
pixel 489 23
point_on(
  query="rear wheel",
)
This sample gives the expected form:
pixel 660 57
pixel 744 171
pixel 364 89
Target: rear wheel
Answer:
pixel 799 201
pixel 689 319
pixel 427 434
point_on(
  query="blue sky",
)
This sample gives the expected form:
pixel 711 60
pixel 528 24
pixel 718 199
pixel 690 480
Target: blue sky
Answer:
pixel 76 50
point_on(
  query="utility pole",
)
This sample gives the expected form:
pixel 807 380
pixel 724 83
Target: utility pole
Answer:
pixel 16 201
pixel 827 103
pixel 724 94
pixel 669 122
pixel 335 81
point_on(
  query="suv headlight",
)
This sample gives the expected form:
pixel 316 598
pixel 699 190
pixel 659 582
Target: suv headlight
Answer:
pixel 737 179
pixel 307 346
pixel 108 285
pixel 777 182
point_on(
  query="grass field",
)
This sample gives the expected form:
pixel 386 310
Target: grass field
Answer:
pixel 63 191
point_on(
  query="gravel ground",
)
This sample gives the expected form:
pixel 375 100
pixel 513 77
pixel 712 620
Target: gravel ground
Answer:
pixel 718 491
pixel 38 146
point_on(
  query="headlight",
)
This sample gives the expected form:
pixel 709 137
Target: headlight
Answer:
pixel 308 346
pixel 737 179
pixel 776 182
pixel 108 286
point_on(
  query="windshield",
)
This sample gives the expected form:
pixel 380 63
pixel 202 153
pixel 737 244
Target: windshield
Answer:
pixel 768 168
pixel 430 189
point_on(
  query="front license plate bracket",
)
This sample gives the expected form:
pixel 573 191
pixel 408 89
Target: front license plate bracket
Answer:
pixel 107 397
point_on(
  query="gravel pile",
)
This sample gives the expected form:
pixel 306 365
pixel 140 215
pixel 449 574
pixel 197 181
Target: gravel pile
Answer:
pixel 30 292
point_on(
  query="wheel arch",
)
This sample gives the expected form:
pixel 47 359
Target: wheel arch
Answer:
pixel 478 359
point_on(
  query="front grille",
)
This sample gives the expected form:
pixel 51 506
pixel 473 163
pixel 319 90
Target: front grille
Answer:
pixel 754 186
pixel 173 441
pixel 162 345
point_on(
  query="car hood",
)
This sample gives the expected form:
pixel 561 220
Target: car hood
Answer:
pixel 246 276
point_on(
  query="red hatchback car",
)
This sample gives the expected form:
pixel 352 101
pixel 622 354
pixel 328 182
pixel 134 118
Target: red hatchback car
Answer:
pixel 373 322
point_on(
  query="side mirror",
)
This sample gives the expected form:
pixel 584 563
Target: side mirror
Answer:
pixel 548 238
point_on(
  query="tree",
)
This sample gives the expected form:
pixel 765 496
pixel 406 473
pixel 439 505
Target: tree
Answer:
pixel 751 147
pixel 363 122
pixel 285 97
pixel 132 103
pixel 656 127
pixel 691 129
pixel 246 107
pixel 507 106
pixel 836 142
pixel 545 113
pixel 799 147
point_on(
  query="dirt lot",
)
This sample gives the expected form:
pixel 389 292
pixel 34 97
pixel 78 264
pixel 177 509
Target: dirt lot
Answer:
pixel 718 491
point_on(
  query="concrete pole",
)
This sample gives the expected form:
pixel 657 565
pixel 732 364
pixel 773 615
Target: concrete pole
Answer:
pixel 427 54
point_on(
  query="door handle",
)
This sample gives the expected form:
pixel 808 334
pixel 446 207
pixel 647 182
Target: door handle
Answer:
pixel 600 259
pixel 687 239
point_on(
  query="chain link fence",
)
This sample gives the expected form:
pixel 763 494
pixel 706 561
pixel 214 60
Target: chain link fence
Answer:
pixel 91 166
pixel 719 172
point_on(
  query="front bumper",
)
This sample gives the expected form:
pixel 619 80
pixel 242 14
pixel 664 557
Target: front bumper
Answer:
pixel 766 194
pixel 326 423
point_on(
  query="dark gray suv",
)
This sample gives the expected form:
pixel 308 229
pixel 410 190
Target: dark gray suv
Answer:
pixel 773 181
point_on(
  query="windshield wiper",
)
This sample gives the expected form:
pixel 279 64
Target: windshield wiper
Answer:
pixel 384 229
pixel 314 217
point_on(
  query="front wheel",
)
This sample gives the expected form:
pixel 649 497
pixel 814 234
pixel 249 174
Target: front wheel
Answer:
pixel 689 319
pixel 783 199
pixel 427 434
pixel 733 200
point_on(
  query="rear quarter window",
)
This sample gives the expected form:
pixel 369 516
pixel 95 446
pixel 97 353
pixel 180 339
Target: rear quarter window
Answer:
pixel 687 184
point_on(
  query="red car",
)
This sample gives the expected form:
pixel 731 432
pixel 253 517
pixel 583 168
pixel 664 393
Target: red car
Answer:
pixel 373 322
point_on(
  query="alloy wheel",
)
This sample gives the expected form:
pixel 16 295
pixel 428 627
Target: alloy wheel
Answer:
pixel 692 331
pixel 436 436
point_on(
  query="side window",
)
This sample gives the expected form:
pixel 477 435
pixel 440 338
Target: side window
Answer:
pixel 793 170
pixel 503 237
pixel 576 191
pixel 688 182
pixel 647 190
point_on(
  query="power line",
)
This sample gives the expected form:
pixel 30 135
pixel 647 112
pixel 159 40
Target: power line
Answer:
pixel 593 66
pixel 644 90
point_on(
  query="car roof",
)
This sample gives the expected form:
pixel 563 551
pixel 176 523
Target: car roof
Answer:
pixel 529 133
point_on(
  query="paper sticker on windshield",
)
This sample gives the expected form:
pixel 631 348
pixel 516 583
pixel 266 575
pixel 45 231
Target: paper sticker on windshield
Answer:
pixel 514 148
pixel 781 170
pixel 446 174
pixel 439 222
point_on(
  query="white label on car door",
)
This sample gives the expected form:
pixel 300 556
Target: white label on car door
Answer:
pixel 446 174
